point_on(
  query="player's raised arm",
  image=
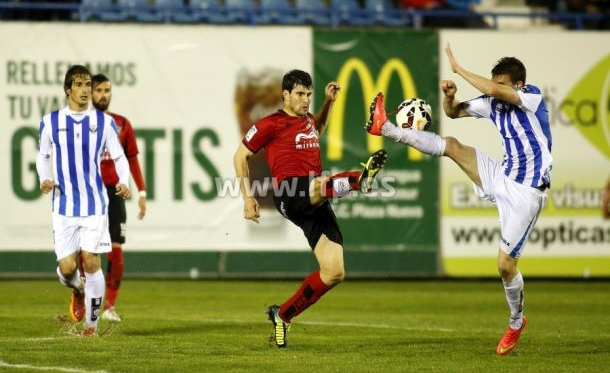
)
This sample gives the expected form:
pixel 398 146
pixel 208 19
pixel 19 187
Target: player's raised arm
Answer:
pixel 504 92
pixel 453 108
pixel 331 91
pixel 240 162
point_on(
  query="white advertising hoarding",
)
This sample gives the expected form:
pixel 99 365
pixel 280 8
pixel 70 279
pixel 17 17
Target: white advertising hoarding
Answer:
pixel 188 91
pixel 573 72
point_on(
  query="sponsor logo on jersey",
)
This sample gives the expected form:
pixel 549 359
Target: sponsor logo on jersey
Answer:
pixel 307 140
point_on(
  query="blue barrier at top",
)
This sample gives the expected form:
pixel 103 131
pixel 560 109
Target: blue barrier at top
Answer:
pixel 302 12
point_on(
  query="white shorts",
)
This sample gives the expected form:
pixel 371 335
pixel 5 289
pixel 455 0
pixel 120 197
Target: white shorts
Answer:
pixel 87 233
pixel 519 205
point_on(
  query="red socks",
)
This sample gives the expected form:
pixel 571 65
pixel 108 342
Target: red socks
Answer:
pixel 310 291
pixel 114 275
pixel 339 185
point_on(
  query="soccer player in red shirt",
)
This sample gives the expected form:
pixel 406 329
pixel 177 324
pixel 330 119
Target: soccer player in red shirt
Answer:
pixel 117 215
pixel 292 150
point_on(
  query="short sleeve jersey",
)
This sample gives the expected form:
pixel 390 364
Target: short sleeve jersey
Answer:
pixel 525 131
pixel 76 142
pixel 291 144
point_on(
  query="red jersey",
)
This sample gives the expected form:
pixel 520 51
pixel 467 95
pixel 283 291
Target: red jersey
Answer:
pixel 291 144
pixel 127 138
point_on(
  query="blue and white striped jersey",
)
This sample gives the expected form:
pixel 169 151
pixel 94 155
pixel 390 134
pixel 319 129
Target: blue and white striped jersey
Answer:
pixel 526 134
pixel 76 142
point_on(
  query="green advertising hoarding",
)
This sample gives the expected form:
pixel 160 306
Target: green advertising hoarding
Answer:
pixel 402 214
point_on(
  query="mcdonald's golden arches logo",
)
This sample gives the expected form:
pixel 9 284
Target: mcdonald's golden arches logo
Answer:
pixel 370 87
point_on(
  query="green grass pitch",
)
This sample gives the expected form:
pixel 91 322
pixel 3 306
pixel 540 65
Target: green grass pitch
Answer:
pixel 361 326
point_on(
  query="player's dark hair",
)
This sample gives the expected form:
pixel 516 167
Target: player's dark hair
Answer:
pixel 97 79
pixel 296 77
pixel 510 66
pixel 73 72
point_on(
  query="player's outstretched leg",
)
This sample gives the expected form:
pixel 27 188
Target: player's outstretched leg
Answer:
pixel 379 125
pixel 339 185
pixel 279 335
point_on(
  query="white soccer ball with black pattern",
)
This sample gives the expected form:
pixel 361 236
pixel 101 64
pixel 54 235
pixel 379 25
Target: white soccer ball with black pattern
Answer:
pixel 414 113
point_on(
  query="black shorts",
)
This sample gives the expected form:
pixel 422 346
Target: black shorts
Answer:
pixel 315 221
pixel 117 216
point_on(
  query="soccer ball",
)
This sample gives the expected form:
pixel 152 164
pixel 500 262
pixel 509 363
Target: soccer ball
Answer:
pixel 414 113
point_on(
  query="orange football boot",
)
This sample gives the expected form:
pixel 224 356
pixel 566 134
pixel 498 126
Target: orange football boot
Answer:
pixel 509 340
pixel 77 305
pixel 377 116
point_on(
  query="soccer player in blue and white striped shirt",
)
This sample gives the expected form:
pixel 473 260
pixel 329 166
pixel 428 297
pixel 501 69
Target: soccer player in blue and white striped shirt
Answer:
pixel 517 184
pixel 72 141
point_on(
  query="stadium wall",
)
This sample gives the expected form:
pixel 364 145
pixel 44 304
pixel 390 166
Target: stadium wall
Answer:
pixel 192 92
